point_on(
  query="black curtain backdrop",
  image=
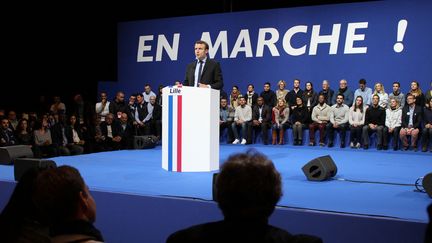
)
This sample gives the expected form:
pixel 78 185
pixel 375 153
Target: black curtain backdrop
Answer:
pixel 66 49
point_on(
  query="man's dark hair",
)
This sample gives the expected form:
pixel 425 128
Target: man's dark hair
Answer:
pixel 204 43
pixel 362 81
pixel 57 193
pixel 248 186
pixel 397 83
pixel 343 96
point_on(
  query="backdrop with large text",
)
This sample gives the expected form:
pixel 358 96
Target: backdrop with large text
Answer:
pixel 382 41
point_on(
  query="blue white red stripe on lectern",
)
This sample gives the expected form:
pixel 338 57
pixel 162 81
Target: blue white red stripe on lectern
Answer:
pixel 170 133
pixel 179 133
pixel 175 133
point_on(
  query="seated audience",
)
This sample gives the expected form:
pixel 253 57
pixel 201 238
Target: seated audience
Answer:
pixel 251 96
pixel 427 126
pixel 247 190
pixel 327 92
pixel 393 122
pixel 242 118
pixel 43 145
pixel 7 137
pixel 23 133
pixel 261 119
pixel 411 119
pixel 356 120
pixel 299 119
pixel 339 118
pixel 374 122
pixel 226 118
pixel 110 133
pixel 280 121
pixel 320 118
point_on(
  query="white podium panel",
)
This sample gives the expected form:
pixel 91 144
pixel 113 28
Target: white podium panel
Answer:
pixel 190 129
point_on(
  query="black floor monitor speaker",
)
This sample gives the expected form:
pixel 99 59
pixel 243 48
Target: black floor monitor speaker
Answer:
pixel 427 184
pixel 320 169
pixel 145 142
pixel 21 165
pixel 10 153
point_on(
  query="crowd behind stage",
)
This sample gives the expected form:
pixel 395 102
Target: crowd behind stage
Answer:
pixel 401 120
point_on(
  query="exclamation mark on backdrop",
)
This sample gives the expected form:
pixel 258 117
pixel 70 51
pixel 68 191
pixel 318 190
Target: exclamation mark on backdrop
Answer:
pixel 402 26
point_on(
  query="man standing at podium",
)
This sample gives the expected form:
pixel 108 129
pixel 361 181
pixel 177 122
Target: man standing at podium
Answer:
pixel 203 72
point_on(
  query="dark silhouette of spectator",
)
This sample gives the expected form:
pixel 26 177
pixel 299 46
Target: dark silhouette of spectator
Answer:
pixel 428 237
pixel 66 204
pixel 247 190
pixel 19 220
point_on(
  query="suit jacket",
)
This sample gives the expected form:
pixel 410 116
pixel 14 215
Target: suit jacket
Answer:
pixel 266 113
pixel 211 74
pixel 417 118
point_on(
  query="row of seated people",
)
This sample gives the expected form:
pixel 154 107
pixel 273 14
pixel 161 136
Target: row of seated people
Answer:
pixel 55 137
pixel 410 121
pixel 310 95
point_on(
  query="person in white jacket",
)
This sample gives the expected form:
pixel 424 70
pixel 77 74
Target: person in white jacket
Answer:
pixel 392 123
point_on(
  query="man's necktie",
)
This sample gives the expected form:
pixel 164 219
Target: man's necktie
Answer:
pixel 199 72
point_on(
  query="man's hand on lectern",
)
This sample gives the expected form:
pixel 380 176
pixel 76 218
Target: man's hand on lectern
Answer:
pixel 204 85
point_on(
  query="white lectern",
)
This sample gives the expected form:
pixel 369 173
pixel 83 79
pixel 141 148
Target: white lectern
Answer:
pixel 190 129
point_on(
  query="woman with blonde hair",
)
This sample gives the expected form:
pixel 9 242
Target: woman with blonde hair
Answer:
pixel 280 120
pixel 383 96
pixel 281 92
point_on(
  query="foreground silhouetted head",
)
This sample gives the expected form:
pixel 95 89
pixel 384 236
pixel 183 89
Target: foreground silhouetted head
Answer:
pixel 248 187
pixel 62 195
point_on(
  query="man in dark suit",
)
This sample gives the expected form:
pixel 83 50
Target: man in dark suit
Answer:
pixel 204 72
pixel 247 190
pixel 261 120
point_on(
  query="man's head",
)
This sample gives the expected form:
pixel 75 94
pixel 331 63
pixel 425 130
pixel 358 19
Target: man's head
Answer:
pixel 103 96
pixel 340 99
pixel 147 88
pixel 296 83
pixel 321 99
pixel 260 101
pixel 152 99
pixel 12 116
pixel 120 96
pixel 242 101
pixel 325 85
pixel 132 99
pixel 201 49
pixel 410 99
pixel 62 196
pixel 124 118
pixel 267 86
pixel 342 84
pixel 223 103
pixel 248 187
pixel 4 123
pixel 396 87
pixel 362 84
pixel 375 100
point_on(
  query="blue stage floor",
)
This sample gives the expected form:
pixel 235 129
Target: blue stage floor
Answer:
pixel 139 172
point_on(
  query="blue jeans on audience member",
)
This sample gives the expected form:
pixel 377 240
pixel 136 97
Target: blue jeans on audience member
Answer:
pixel 243 130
